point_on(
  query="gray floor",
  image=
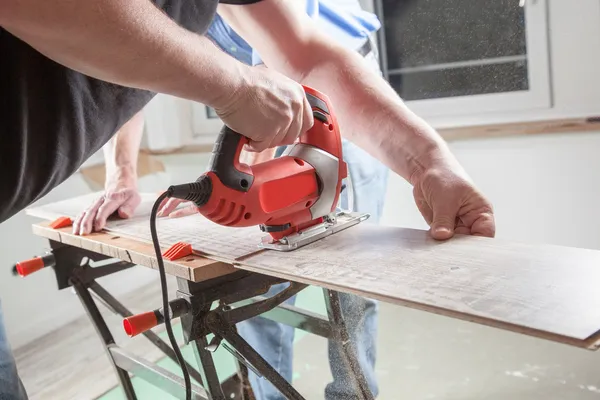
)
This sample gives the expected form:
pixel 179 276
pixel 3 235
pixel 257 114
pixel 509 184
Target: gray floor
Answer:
pixel 426 356
pixel 70 362
pixel 420 356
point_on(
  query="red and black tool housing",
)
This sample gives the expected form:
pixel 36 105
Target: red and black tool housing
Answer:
pixel 276 194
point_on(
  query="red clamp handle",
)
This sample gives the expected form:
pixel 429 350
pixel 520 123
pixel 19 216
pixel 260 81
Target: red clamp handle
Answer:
pixel 140 323
pixel 30 266
pixel 143 322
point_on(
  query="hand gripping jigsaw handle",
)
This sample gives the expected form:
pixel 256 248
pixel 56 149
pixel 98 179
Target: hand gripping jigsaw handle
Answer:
pixel 225 160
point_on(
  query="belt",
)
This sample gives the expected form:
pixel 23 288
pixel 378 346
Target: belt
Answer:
pixel 365 49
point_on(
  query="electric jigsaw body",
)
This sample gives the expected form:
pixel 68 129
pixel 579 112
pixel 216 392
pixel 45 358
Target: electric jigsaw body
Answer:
pixel 293 198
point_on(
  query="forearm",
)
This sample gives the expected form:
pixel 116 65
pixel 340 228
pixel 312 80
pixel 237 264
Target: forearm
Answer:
pixel 370 112
pixel 121 153
pixel 131 43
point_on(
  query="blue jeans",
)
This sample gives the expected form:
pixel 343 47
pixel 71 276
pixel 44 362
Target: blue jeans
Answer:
pixel 274 341
pixel 11 387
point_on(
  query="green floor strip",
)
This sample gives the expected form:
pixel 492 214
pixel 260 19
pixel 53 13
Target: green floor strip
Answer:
pixel 310 299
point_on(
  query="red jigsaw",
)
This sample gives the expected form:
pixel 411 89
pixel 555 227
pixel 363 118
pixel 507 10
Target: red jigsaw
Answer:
pixel 285 196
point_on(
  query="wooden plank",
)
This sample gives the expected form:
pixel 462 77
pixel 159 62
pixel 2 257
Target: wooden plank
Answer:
pixel 540 290
pixel 193 268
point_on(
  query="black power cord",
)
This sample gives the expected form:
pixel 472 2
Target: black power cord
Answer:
pixel 198 192
pixel 165 294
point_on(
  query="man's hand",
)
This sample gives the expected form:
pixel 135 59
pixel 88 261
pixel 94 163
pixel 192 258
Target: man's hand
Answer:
pixel 121 193
pixel 168 208
pixel 450 203
pixel 123 199
pixel 268 108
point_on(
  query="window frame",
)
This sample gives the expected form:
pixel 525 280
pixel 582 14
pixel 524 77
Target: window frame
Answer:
pixel 538 96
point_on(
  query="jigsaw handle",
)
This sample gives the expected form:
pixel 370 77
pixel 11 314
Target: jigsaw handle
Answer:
pixel 325 133
pixel 315 102
pixel 225 164
pixel 225 160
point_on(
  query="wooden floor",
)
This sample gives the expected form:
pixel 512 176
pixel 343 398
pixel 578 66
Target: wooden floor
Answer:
pixel 70 363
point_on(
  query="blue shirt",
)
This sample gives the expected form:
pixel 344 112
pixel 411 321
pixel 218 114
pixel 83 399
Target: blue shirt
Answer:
pixel 341 20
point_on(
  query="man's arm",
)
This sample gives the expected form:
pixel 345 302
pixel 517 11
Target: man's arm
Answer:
pixel 134 44
pixel 291 42
pixel 121 153
pixel 369 112
pixel 120 186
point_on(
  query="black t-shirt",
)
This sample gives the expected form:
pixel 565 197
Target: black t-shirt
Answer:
pixel 52 118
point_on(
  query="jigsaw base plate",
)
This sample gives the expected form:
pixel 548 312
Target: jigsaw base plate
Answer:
pixel 333 223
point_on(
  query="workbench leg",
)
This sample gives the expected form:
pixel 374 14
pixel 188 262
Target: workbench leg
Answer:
pixel 334 311
pixel 205 362
pixel 207 369
pixel 259 364
pixel 113 304
pixel 102 329
pixel 242 373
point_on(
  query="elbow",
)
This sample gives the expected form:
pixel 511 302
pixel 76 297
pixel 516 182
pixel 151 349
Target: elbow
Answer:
pixel 313 57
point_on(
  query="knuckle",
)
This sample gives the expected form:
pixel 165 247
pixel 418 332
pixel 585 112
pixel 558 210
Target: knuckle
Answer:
pixel 308 124
pixel 114 196
pixel 258 147
pixel 289 116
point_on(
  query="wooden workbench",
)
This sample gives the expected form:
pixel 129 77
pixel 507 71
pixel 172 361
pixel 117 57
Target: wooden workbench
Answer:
pixel 193 268
pixel 546 291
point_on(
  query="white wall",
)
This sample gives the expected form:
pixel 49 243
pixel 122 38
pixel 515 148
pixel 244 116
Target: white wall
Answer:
pixel 544 188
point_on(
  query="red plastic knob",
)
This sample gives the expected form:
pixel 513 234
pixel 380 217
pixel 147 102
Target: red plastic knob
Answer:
pixel 140 323
pixel 30 266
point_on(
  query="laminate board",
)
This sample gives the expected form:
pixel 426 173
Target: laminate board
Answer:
pixel 541 290
pixel 206 237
